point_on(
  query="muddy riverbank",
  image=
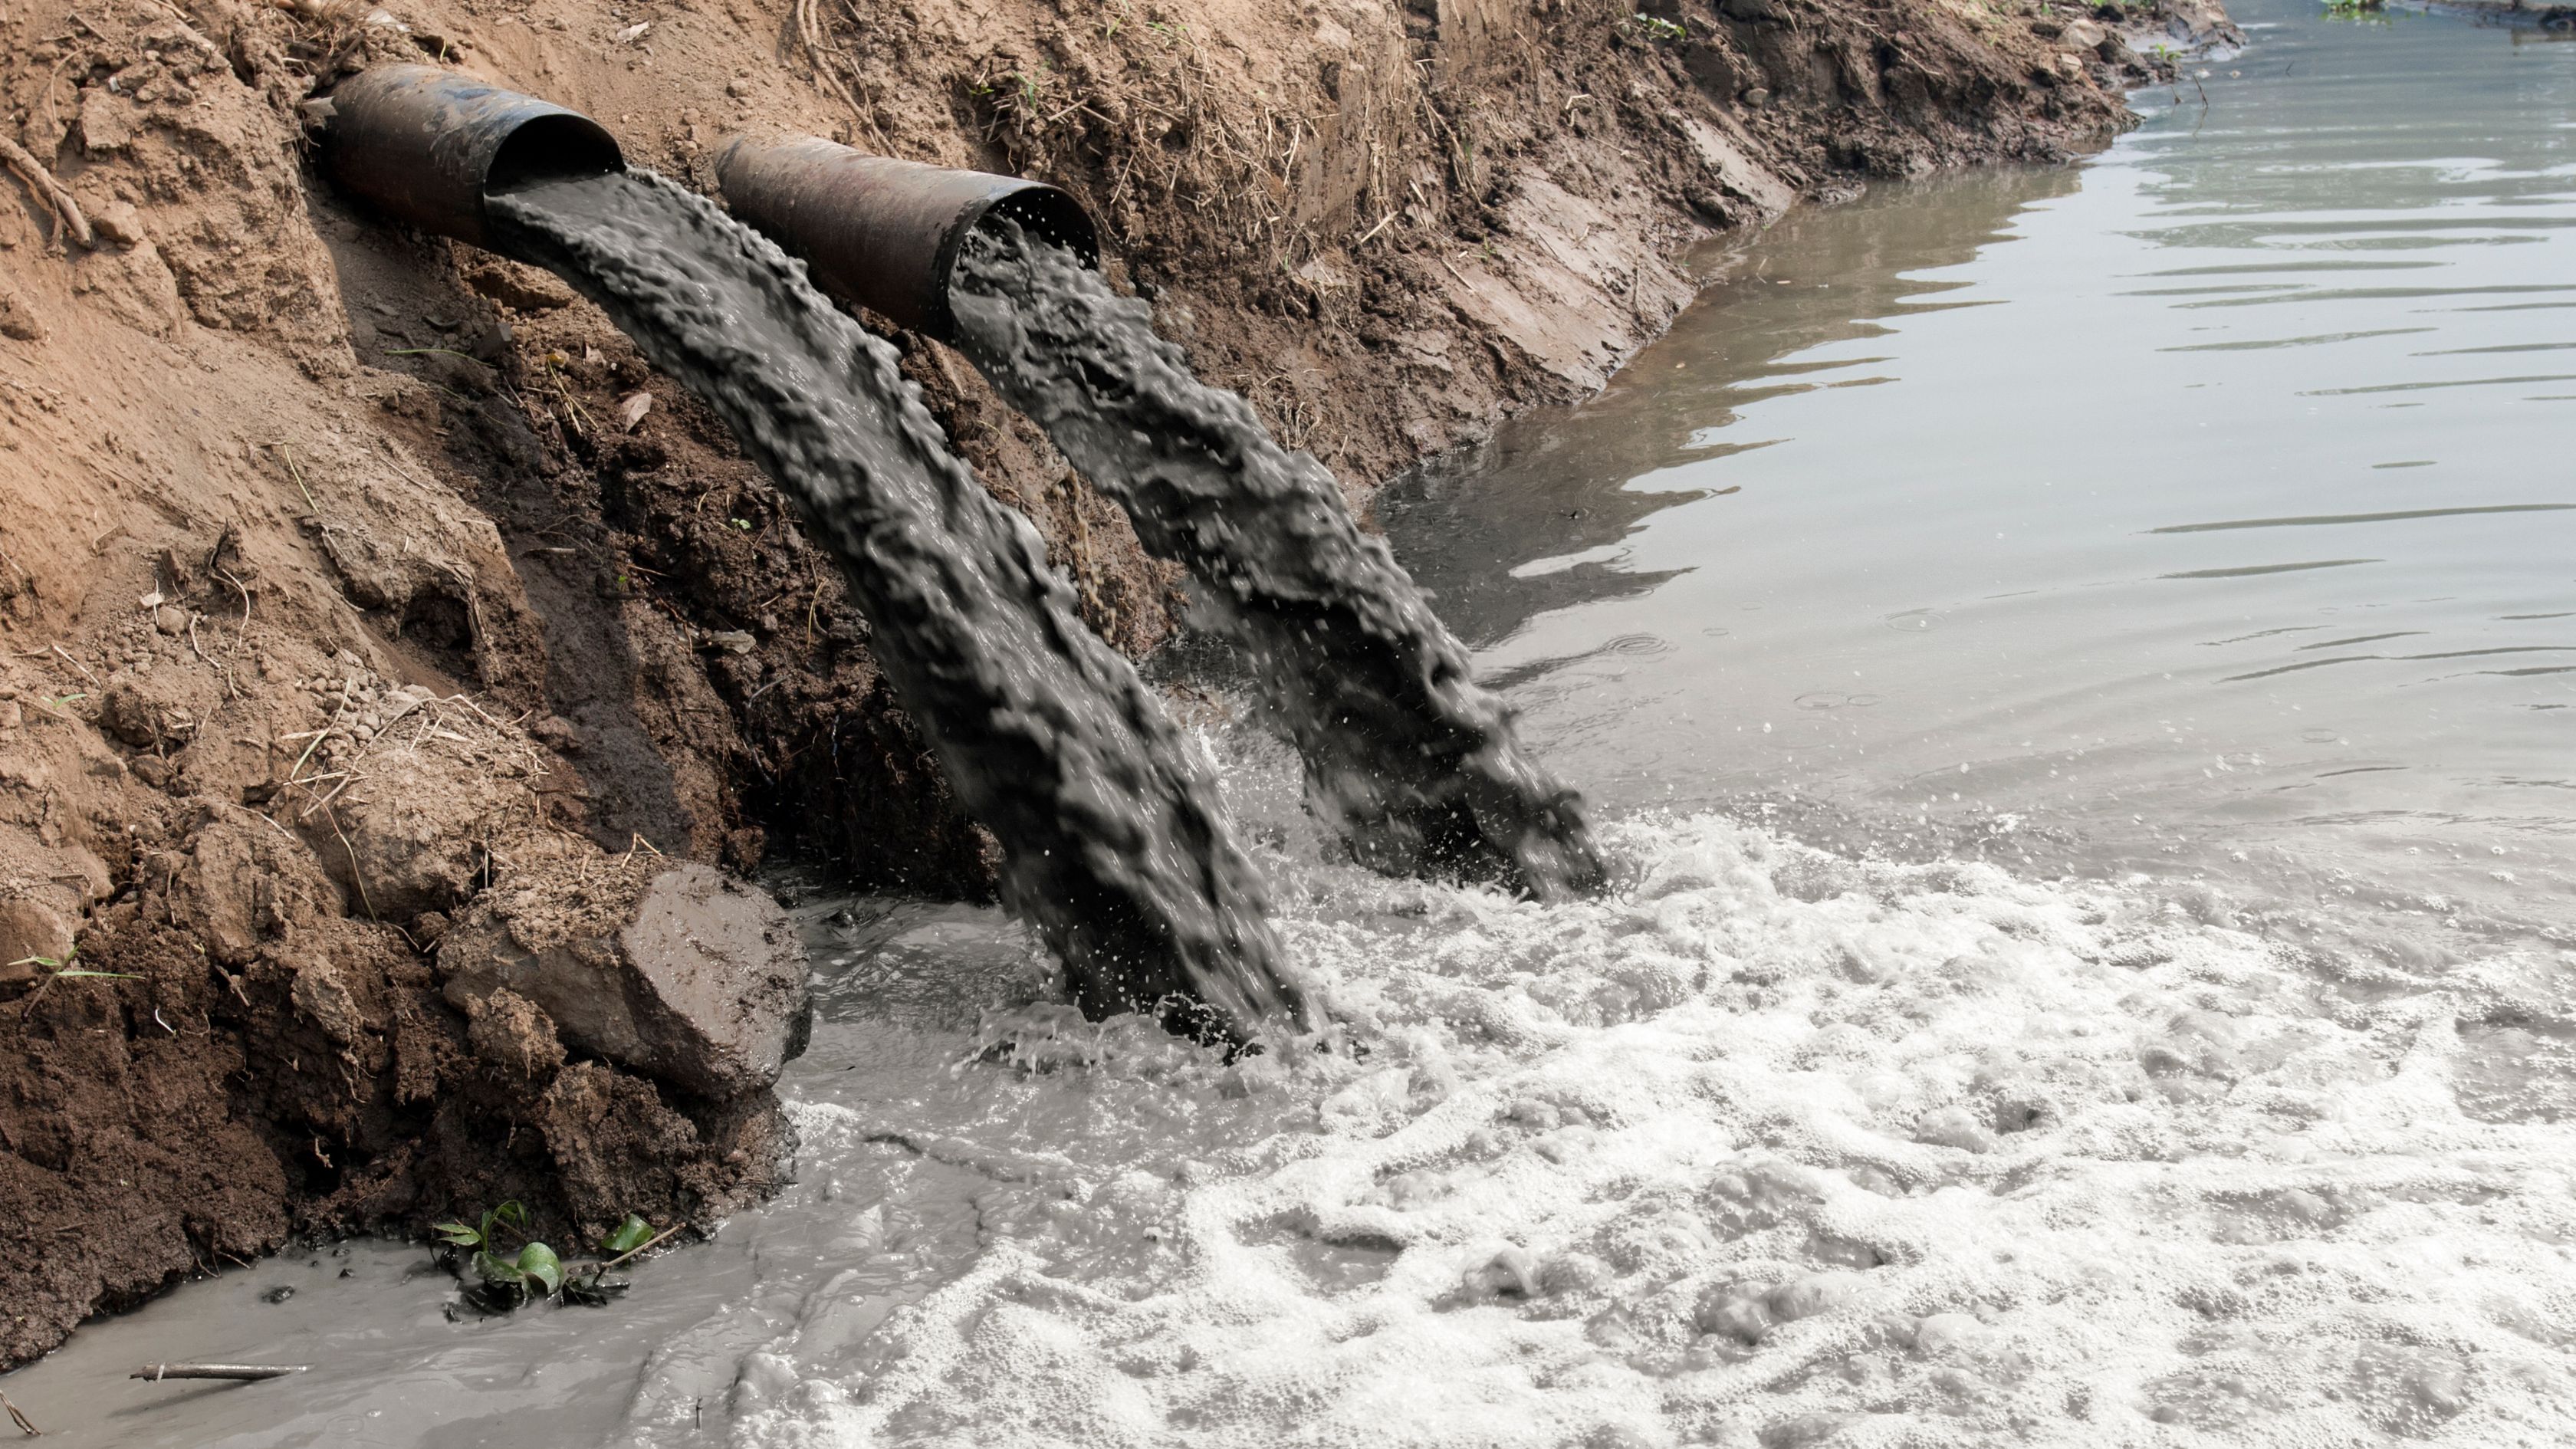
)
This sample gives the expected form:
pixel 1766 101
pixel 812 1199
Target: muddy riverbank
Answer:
pixel 381 639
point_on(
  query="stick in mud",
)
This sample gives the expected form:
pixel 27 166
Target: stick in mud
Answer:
pixel 48 190
pixel 25 1425
pixel 1415 763
pixel 1114 845
pixel 244 1372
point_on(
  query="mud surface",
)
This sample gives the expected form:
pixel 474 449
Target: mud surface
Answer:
pixel 353 585
pixel 1405 755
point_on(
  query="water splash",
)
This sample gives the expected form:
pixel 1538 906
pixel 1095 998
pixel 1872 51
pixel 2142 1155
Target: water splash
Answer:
pixel 1781 1148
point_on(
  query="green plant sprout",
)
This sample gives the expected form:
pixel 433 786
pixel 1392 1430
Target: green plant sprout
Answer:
pixel 505 1279
pixel 532 1270
pixel 60 968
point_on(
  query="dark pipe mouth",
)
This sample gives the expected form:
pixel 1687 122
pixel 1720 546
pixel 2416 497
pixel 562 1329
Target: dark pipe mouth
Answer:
pixel 427 146
pixel 1043 212
pixel 552 148
pixel 1049 215
pixel 887 234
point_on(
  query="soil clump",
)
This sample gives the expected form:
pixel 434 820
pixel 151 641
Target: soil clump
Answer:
pixel 356 587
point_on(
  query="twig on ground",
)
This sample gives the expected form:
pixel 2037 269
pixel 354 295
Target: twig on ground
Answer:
pixel 42 182
pixel 243 1372
pixel 244 592
pixel 25 1425
pixel 656 1240
pixel 298 475
pixel 357 875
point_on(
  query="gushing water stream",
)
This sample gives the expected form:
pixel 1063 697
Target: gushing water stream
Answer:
pixel 1111 841
pixel 1406 755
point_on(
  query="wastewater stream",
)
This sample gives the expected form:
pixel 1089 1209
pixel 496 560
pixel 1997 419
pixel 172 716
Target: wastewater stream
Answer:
pixel 2072 672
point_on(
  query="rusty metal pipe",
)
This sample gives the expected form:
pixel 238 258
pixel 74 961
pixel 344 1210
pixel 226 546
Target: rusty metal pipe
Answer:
pixel 426 145
pixel 884 233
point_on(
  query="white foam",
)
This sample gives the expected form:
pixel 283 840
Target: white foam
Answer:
pixel 1776 1149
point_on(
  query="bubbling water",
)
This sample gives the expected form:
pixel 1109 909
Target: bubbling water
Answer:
pixel 1777 1147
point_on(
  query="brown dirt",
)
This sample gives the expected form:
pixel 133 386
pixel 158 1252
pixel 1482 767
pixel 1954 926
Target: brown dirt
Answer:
pixel 337 586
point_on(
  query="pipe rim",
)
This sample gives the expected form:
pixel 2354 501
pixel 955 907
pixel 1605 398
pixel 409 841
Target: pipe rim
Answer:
pixel 550 147
pixel 1048 212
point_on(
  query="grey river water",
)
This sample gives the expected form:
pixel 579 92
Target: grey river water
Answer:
pixel 2073 670
pixel 2215 496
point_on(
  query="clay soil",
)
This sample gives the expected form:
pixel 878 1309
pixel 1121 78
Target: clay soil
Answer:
pixel 350 579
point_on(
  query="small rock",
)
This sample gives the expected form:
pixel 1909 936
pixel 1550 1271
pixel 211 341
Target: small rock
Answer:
pixel 1756 98
pixel 278 1294
pixel 703 986
pixel 106 122
pixel 17 318
pixel 170 620
pixel 119 222
pixel 2082 35
pixel 732 641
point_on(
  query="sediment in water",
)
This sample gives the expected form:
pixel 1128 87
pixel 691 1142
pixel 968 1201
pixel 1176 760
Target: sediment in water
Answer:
pixel 1405 754
pixel 1113 846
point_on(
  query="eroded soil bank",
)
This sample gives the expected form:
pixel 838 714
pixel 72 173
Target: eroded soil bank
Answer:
pixel 391 662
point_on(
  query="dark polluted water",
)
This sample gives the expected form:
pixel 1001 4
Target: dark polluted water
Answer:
pixel 1406 755
pixel 1112 841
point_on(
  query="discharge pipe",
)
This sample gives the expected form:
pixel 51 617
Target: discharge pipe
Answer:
pixel 882 233
pixel 426 145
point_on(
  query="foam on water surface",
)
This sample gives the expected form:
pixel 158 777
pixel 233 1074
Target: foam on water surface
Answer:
pixel 1773 1148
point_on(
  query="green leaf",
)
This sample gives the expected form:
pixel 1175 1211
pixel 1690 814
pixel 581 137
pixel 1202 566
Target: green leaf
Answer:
pixel 511 1213
pixel 84 971
pixel 491 1267
pixel 537 1263
pixel 458 1234
pixel 630 1235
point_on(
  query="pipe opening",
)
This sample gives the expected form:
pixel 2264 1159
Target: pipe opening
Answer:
pixel 550 148
pixel 1050 216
